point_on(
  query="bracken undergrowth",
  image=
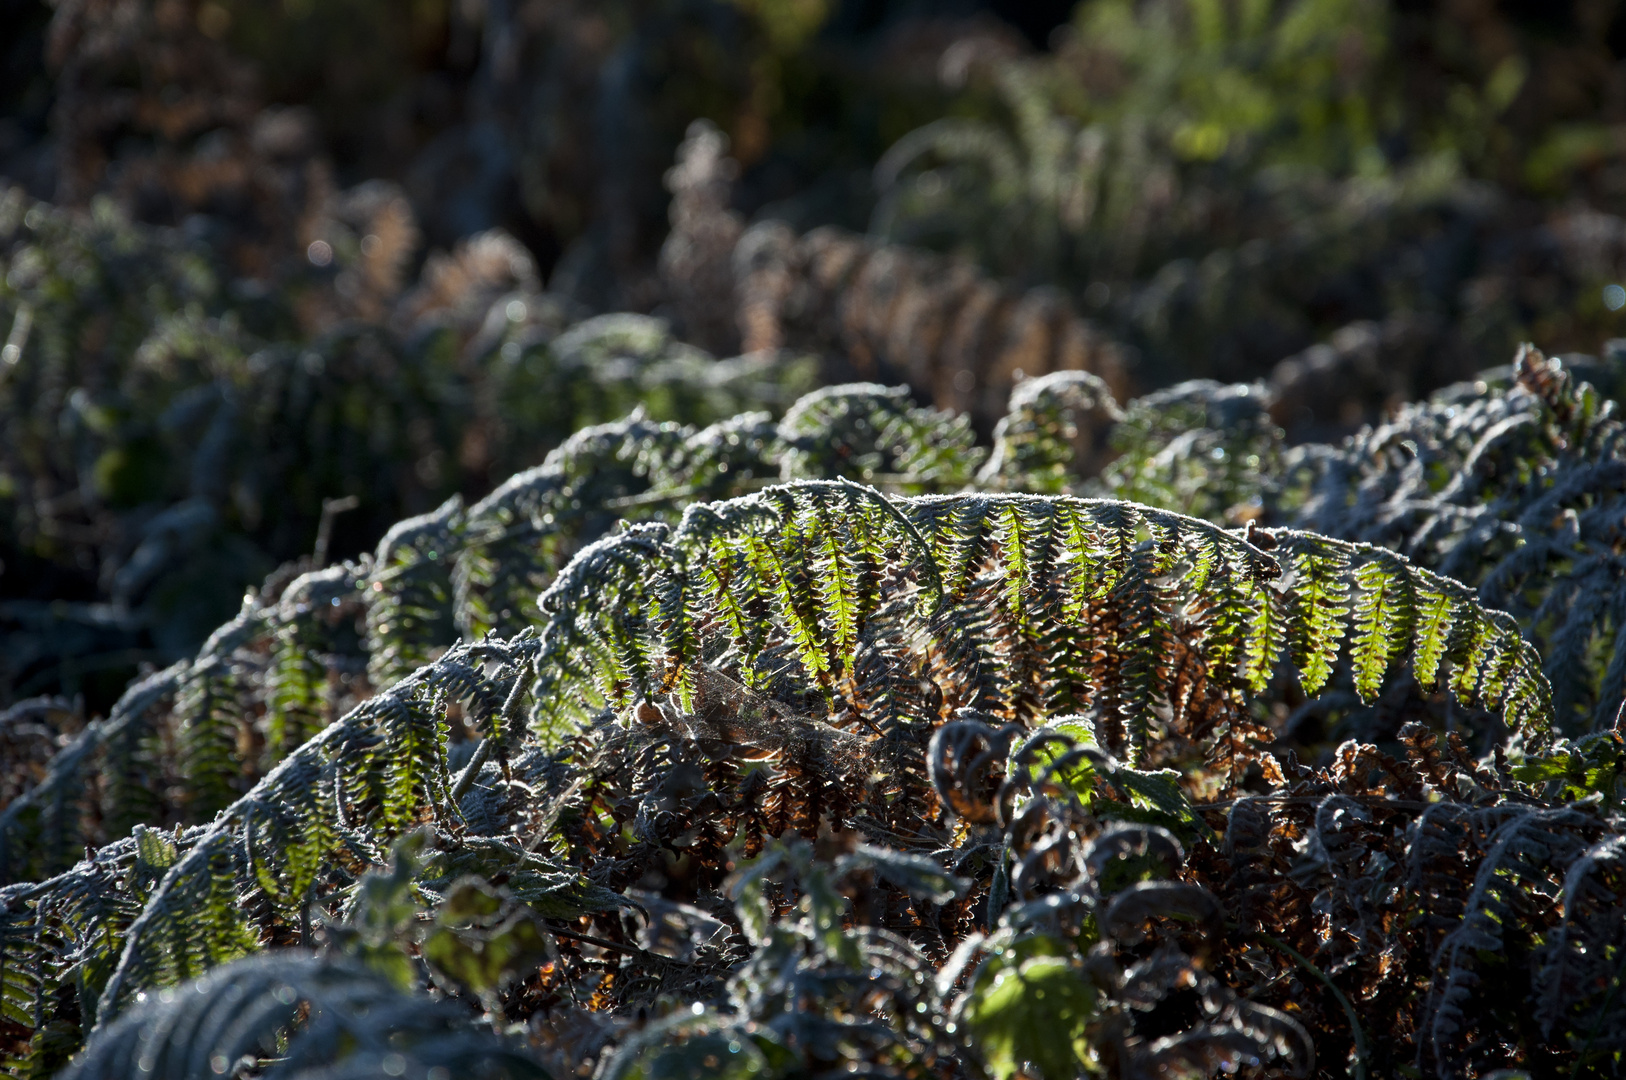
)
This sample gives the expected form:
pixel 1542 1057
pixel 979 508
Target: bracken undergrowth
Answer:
pixel 825 745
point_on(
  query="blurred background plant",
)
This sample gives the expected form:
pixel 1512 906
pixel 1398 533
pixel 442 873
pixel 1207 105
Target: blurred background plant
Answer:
pixel 1224 184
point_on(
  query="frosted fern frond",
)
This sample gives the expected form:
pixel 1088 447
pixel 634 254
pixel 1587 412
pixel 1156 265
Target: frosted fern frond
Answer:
pixel 1198 448
pixel 792 555
pixel 874 434
pixel 189 740
pixel 515 539
pixel 342 797
pixel 300 1012
pixel 720 461
pixel 408 615
pixel 745 664
pixel 1054 436
pixel 1517 872
pixel 1519 491
pixel 300 662
pixel 1580 960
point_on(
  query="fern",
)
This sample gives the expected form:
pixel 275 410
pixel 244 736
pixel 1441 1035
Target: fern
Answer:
pixel 411 589
pixel 178 443
pixel 520 535
pixel 298 653
pixel 376 773
pixel 1054 434
pixel 1578 991
pixel 1509 877
pixel 764 529
pixel 187 741
pixel 248 1010
pixel 301 695
pixel 870 433
pixel 1514 491
pixel 41 830
pixel 384 767
pixel 1199 448
pixel 832 744
pixel 784 660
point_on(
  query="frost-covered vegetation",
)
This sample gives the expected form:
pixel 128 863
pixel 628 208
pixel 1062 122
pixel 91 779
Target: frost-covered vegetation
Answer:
pixel 1116 610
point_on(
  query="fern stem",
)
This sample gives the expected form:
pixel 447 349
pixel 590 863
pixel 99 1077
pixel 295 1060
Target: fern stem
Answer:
pixel 465 779
pixel 1349 1007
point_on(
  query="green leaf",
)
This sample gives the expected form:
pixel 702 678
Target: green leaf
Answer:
pixel 1080 777
pixel 1031 1011
pixel 1542 769
pixel 1155 798
pixel 1434 618
pixel 1319 603
pixel 1013 553
pixel 1267 632
pixel 490 959
pixel 1382 622
pixel 837 591
pixel 155 851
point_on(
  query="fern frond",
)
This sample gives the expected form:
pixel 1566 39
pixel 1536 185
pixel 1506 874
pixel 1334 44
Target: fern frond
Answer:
pixel 1579 977
pixel 518 537
pixel 1517 858
pixel 1378 621
pixel 410 591
pixel 765 542
pixel 1054 435
pixel 373 775
pixel 41 831
pixel 1319 595
pixel 213 723
pixel 873 434
pixel 1517 489
pixel 305 1011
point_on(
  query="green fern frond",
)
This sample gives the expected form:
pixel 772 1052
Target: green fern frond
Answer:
pixel 766 542
pixel 1319 594
pixel 1517 487
pixel 213 722
pixel 1378 624
pixel 381 770
pixel 410 592
pixel 874 435
pixel 1054 435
